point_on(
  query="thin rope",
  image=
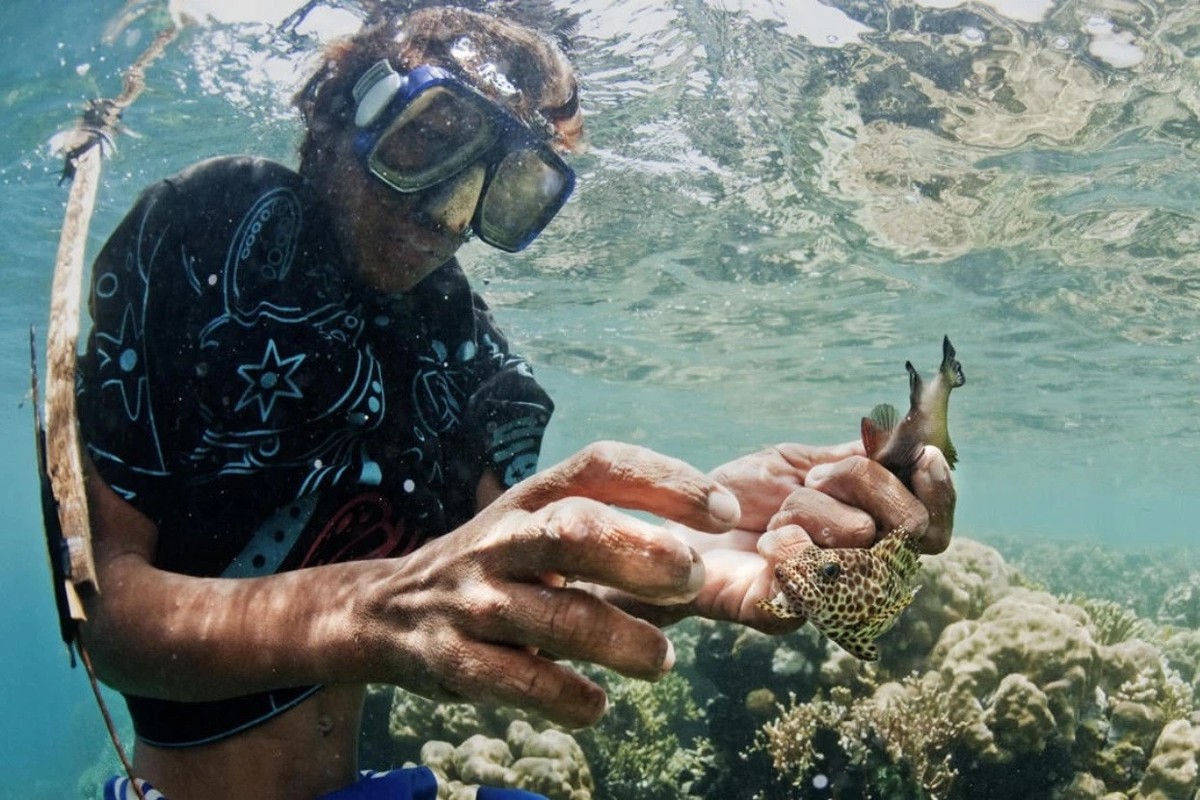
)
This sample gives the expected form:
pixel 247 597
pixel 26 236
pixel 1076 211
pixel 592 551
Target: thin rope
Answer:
pixel 108 720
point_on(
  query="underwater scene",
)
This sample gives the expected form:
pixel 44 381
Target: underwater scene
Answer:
pixel 781 202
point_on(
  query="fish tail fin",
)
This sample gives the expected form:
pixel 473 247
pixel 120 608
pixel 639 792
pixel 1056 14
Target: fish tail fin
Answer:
pixel 950 366
pixel 915 384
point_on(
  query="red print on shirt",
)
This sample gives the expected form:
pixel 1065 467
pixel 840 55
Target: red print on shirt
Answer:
pixel 364 528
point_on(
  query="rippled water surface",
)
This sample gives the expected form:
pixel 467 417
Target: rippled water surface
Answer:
pixel 781 202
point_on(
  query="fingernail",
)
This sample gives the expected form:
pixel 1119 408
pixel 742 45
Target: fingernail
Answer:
pixel 723 507
pixel 669 659
pixel 937 468
pixel 817 474
pixel 696 576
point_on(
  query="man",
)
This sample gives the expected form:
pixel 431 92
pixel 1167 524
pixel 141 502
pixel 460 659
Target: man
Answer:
pixel 314 451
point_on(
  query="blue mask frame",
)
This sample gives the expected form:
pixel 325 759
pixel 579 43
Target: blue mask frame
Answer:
pixel 526 182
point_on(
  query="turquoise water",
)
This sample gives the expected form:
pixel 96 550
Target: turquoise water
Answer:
pixel 776 211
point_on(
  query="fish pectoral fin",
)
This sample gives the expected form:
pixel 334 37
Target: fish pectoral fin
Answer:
pixel 856 644
pixel 950 453
pixel 878 426
pixel 889 615
pixel 778 608
pixel 885 417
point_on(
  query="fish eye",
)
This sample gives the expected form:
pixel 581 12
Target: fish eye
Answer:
pixel 831 570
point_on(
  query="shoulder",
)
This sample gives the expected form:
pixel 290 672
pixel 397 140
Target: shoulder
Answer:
pixel 224 171
pixel 208 195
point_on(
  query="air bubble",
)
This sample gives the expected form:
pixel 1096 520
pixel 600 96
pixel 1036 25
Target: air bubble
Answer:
pixel 972 35
pixel 1060 43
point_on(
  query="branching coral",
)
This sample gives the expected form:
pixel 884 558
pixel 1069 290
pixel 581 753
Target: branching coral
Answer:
pixel 1110 622
pixel 913 724
pixel 900 739
pixel 790 739
pixel 1161 688
pixel 642 746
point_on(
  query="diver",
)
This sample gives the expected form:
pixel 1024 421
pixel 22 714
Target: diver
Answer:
pixel 313 454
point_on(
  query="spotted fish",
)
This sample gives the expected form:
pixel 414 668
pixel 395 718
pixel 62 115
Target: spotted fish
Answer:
pixel 852 595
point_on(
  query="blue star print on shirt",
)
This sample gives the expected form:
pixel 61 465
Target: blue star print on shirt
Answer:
pixel 267 380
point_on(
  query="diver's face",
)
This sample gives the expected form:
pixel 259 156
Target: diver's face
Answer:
pixel 397 239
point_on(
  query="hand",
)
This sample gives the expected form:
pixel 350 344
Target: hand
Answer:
pixel 853 502
pixel 466 616
pixel 762 481
pixel 838 498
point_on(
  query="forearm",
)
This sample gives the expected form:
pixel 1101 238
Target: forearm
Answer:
pixel 159 634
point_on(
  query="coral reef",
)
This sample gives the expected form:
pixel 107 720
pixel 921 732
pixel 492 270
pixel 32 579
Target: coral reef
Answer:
pixel 1158 586
pixel 549 762
pixel 990 687
pixel 1077 691
pixel 903 734
pixel 650 745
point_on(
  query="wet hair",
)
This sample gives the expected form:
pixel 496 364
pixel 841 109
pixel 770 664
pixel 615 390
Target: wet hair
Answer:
pixel 474 46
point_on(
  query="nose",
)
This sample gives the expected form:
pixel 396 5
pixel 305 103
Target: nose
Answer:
pixel 451 206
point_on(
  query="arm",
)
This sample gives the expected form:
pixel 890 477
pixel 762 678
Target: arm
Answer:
pixel 463 617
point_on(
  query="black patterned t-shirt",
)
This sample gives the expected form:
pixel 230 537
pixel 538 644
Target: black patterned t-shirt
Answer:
pixel 264 409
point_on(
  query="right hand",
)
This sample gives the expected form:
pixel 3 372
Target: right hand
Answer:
pixel 466 616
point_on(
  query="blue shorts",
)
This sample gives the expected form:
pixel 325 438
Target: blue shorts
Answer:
pixel 416 783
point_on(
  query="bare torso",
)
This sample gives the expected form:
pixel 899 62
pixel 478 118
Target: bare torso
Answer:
pixel 307 751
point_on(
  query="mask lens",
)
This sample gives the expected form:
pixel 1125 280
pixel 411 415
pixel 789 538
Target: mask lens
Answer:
pixel 436 136
pixel 525 193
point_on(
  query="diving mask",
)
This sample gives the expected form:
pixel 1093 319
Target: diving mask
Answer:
pixel 426 126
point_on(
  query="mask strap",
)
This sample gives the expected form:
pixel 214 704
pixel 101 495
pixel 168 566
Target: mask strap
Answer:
pixel 375 91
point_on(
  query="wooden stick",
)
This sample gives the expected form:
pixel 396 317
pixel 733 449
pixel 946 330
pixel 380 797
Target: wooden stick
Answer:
pixel 64 455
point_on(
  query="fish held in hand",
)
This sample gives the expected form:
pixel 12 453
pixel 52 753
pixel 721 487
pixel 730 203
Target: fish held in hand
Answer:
pixel 897 443
pixel 852 595
pixel 855 595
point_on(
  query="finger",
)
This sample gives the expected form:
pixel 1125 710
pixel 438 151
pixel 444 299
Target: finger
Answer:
pixel 780 544
pixel 829 521
pixel 500 675
pixel 804 457
pixel 586 540
pixel 633 477
pixel 575 624
pixel 934 487
pixel 859 482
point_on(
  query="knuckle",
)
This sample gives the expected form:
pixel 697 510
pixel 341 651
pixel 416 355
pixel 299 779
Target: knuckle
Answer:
pixel 596 459
pixel 859 468
pixel 489 606
pixel 572 519
pixel 460 673
pixel 917 519
pixel 566 618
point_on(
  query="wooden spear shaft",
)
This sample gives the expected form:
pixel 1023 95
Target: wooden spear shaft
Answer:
pixel 63 449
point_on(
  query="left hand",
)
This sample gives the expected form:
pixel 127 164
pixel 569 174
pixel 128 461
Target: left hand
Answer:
pixel 793 495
